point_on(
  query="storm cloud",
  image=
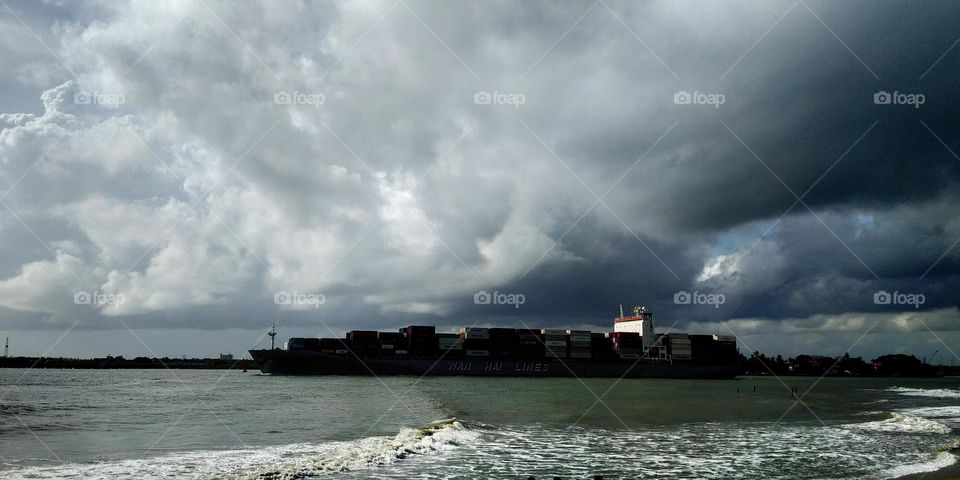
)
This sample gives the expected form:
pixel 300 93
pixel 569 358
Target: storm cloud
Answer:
pixel 196 159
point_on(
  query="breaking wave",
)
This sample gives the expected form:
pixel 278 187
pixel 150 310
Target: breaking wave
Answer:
pixel 285 462
pixel 926 392
pixel 900 423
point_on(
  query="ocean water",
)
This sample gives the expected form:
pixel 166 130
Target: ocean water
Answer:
pixel 234 425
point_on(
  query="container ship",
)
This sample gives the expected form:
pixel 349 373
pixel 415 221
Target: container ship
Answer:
pixel 632 350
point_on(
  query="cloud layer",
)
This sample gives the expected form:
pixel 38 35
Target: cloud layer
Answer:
pixel 192 160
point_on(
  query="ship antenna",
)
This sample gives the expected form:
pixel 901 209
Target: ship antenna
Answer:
pixel 273 335
pixel 6 348
pixel 621 310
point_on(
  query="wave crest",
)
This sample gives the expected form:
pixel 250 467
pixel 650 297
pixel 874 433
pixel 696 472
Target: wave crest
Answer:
pixel 900 423
pixel 284 462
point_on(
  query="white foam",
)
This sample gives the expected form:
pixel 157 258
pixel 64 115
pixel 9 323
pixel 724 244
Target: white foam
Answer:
pixel 926 392
pixel 942 460
pixel 952 411
pixel 902 423
pixel 278 462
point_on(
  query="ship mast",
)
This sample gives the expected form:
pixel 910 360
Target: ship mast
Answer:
pixel 6 348
pixel 273 336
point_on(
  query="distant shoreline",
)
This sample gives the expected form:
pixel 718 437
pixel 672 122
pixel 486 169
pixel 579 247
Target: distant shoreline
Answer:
pixel 120 363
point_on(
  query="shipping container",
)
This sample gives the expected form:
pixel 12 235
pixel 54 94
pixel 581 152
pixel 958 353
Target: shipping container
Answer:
pixel 581 355
pixel 725 338
pixel 356 334
pixel 473 332
pixel 548 331
pixel 555 343
pixel 578 332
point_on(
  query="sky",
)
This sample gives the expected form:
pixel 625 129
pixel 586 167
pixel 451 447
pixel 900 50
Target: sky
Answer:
pixel 177 176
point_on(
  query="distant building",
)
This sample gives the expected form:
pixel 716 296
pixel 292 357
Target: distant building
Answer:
pixel 226 356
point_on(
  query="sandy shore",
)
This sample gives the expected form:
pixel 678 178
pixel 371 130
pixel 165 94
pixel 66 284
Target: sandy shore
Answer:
pixel 951 472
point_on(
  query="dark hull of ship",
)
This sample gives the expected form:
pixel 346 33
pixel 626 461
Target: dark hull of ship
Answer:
pixel 283 362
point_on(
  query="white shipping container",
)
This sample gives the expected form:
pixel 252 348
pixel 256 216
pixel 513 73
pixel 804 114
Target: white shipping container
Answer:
pixel 725 338
pixel 578 332
pixel 547 331
pixel 555 343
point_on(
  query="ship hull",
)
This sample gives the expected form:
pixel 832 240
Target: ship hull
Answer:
pixel 284 362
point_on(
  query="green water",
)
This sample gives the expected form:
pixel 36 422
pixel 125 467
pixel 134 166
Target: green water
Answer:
pixel 210 424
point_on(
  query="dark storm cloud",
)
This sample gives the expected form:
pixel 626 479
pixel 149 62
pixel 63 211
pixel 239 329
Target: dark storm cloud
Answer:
pixel 400 198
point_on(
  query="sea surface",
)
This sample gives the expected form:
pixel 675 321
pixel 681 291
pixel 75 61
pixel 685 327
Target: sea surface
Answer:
pixel 93 424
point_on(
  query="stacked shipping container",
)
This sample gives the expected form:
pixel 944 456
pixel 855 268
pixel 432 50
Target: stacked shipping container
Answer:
pixel 521 344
